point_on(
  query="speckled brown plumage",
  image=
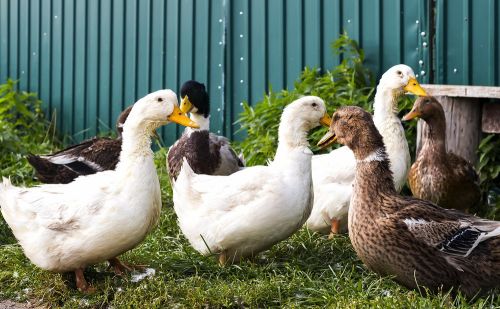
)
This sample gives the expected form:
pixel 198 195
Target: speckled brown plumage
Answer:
pixel 89 157
pixel 416 241
pixel 205 152
pixel 437 175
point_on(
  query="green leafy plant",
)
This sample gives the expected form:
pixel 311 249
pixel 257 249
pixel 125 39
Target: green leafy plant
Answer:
pixel 349 83
pixel 489 171
pixel 24 130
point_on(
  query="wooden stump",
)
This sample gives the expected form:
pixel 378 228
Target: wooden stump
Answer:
pixel 463 126
pixel 491 117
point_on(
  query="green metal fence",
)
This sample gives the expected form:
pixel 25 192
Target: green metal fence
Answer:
pixel 90 59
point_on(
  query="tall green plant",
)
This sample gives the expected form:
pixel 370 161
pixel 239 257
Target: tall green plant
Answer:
pixel 349 83
pixel 489 171
pixel 24 130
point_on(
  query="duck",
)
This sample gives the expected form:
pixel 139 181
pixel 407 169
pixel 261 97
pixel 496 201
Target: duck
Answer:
pixel 206 152
pixel 88 157
pixel 239 215
pixel 333 173
pixel 97 217
pixel 441 177
pixel 414 241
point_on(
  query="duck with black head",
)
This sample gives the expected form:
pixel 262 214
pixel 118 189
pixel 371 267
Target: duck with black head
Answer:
pixel 206 152
pixel 416 241
pixel 438 175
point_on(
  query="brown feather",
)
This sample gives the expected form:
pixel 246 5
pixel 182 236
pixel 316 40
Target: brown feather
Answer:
pixel 437 175
pixel 416 241
pixel 89 157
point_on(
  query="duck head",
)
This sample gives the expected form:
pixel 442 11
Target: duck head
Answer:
pixel 401 78
pixel 353 127
pixel 195 98
pixel 298 118
pixel 426 108
pixel 157 109
pixel 309 112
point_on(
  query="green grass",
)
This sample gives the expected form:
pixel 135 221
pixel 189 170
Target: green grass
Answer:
pixel 305 270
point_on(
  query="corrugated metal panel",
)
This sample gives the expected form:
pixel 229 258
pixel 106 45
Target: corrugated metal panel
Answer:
pixel 90 59
pixel 468 42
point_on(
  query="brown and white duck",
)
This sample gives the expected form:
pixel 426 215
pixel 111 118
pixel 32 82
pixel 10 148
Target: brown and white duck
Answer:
pixel 206 153
pixel 416 241
pixel 89 157
pixel 437 175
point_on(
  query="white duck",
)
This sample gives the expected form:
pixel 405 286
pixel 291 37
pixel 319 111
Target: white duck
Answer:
pixel 249 211
pixel 65 227
pixel 333 185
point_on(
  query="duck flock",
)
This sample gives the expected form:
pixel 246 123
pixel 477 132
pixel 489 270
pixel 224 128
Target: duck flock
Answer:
pixel 234 212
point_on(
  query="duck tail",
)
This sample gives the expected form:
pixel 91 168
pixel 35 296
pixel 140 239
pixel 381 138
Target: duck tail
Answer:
pixel 45 170
pixel 5 183
pixel 4 186
pixel 183 186
pixel 186 172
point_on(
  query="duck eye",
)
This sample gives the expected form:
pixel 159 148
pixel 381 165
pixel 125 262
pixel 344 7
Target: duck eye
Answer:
pixel 314 104
pixel 160 99
pixel 399 73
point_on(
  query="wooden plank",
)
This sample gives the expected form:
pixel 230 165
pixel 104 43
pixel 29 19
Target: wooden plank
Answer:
pixel 462 91
pixel 463 126
pixel 491 117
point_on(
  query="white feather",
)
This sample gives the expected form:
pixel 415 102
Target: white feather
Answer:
pixel 67 159
pixel 96 217
pixel 252 209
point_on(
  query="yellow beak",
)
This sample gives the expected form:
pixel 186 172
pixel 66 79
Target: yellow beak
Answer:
pixel 179 117
pixel 325 120
pixel 414 87
pixel 412 114
pixel 328 139
pixel 186 105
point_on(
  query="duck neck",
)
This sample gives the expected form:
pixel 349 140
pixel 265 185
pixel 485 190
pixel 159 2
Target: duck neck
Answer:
pixel 374 163
pixel 435 135
pixel 386 104
pixel 201 120
pixel 136 144
pixel 292 135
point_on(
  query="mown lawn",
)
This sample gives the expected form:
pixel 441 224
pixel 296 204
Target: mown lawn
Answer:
pixel 307 270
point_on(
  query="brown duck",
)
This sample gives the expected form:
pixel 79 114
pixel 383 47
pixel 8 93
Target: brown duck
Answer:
pixel 437 175
pixel 89 157
pixel 416 241
pixel 205 152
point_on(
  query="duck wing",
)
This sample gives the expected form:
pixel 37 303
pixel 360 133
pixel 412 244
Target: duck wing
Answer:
pixel 51 206
pixel 450 231
pixel 205 152
pixel 342 172
pixel 466 180
pixel 89 157
pixel 225 193
pixel 229 158
pixel 463 169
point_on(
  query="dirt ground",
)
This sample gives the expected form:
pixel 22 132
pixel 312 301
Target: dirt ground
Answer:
pixel 8 304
